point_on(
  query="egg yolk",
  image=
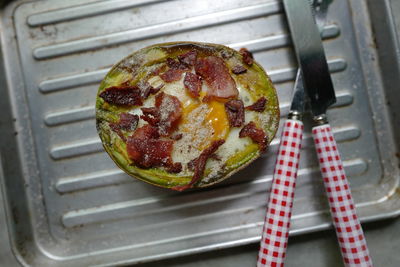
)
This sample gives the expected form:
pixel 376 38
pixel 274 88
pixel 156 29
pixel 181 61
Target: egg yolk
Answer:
pixel 205 122
pixel 218 119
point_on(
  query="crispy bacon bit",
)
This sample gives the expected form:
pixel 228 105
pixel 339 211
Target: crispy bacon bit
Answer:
pixel 218 78
pixel 146 89
pixel 147 151
pixel 128 121
pixel 215 157
pixel 177 65
pixel 146 132
pixel 199 164
pixel 155 90
pixel 170 109
pixel 188 58
pixel 165 115
pixel 239 69
pixel 192 83
pixel 151 115
pixel 256 134
pixel 174 73
pixel 174 167
pixel 247 56
pixel 127 95
pixel 191 164
pixel 124 96
pixel 171 75
pixel 235 111
pixel 259 105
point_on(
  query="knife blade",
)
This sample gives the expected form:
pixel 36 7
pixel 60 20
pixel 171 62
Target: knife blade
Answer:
pixel 297 106
pixel 310 55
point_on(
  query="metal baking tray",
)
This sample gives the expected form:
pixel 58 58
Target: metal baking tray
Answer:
pixel 66 202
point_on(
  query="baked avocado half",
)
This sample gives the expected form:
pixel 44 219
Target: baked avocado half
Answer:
pixel 186 115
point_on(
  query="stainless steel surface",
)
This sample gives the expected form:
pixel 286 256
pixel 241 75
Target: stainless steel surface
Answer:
pixel 297 107
pixel 79 210
pixel 320 8
pixel 310 55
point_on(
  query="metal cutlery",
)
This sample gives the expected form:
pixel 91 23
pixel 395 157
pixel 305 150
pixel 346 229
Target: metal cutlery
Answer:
pixel 315 76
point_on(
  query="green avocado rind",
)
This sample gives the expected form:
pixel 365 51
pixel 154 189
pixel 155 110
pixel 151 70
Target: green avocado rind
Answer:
pixel 135 67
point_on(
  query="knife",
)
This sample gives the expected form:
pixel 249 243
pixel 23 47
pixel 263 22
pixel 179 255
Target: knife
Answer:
pixel 319 88
pixel 276 227
pixel 279 208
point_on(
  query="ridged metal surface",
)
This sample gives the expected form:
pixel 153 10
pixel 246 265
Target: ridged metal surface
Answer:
pixel 90 212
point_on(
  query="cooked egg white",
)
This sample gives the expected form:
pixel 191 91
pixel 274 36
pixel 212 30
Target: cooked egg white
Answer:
pixel 202 123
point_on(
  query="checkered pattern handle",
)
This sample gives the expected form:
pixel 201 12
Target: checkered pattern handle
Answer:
pixel 277 220
pixel 348 228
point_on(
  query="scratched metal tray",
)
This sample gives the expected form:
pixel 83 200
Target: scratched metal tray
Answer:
pixel 68 204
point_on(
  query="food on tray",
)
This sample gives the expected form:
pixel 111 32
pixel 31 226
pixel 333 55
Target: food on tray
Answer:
pixel 186 115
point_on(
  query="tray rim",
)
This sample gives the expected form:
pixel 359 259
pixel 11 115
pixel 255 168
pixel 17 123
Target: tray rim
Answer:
pixel 394 197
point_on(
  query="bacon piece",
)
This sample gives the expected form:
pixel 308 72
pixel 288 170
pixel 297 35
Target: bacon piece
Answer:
pixel 171 75
pixel 188 58
pixel 217 76
pixel 165 115
pixel 155 90
pixel 146 132
pixel 177 65
pixel 199 164
pixel 123 95
pixel 170 109
pixel 127 121
pixel 259 105
pixel 146 89
pixel 127 95
pixel 247 56
pixel 235 111
pixel 215 157
pixel 192 83
pixel 135 146
pixel 147 151
pixel 174 73
pixel 174 167
pixel 256 134
pixel 151 115
pixel 239 69
pixel 191 164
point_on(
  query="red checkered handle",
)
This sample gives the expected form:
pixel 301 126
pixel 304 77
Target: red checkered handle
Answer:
pixel 348 228
pixel 277 220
